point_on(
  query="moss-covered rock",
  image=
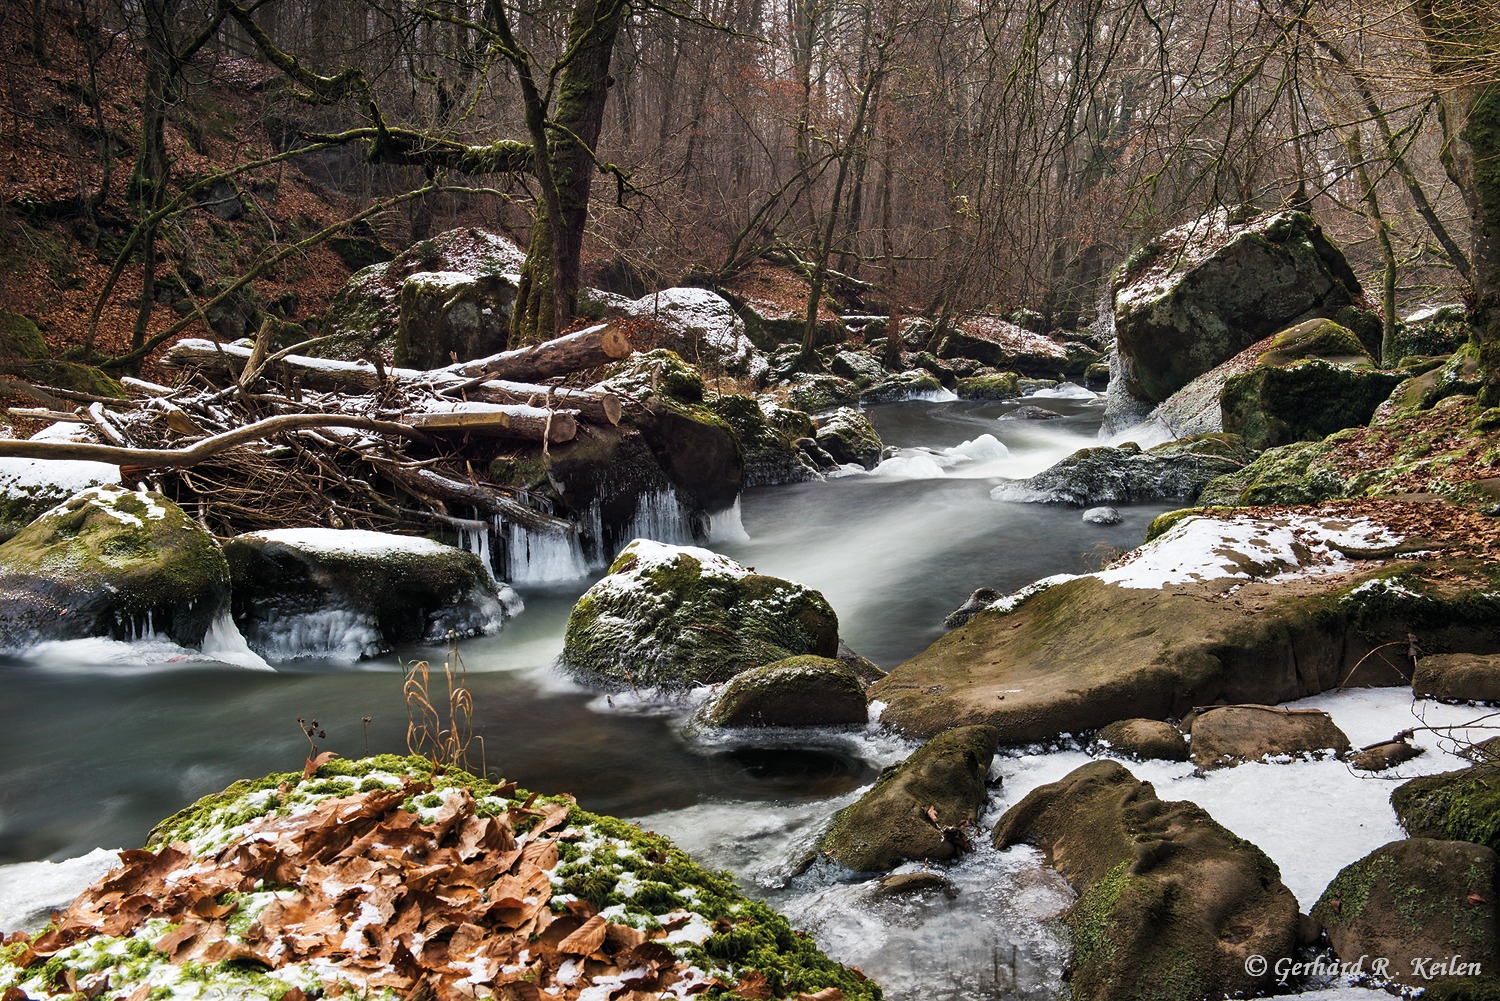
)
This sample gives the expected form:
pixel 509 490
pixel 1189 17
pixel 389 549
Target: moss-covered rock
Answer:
pixel 1143 739
pixel 446 316
pixel 1417 901
pixel 815 394
pixel 1458 677
pixel 858 367
pixel 678 616
pixel 849 437
pixel 996 342
pixel 1171 905
pixel 913 385
pixel 1231 735
pixel 1302 401
pixel 30 488
pixel 346 594
pixel 996 386
pixel 797 691
pixel 890 824
pixel 1291 474
pixel 19 338
pixel 111 562
pixel 1463 805
pixel 1125 474
pixel 770 455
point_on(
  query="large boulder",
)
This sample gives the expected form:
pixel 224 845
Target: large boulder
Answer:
pixel 1126 474
pixel 111 562
pixel 1143 739
pixel 1199 294
pixel 447 316
pixel 1218 608
pixel 345 594
pixel 1225 736
pixel 797 691
pixel 1462 805
pixel 1413 902
pixel 1001 344
pixel 30 488
pixel 1304 401
pixel 817 393
pixel 1171 905
pixel 849 437
pixel 767 435
pixel 698 324
pixel 1458 677
pixel 919 809
pixel 679 616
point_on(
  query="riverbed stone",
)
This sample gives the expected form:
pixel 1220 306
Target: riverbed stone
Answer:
pixel 1171 905
pixel 114 563
pixel 1104 515
pixel 1416 899
pixel 920 808
pixel 1225 736
pixel 996 342
pixel 902 386
pixel 797 691
pixel 1384 756
pixel 1126 474
pixel 770 455
pixel 347 593
pixel 1458 677
pixel 678 616
pixel 1212 611
pixel 990 386
pixel 860 368
pixel 849 437
pixel 1462 805
pixel 1144 740
pixel 816 394
pixel 1201 293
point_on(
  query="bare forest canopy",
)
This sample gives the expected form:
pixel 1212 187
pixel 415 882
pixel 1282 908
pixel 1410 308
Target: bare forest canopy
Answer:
pixel 945 156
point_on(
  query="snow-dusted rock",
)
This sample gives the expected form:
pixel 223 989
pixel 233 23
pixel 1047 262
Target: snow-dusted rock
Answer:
pixel 700 325
pixel 31 487
pixel 1125 474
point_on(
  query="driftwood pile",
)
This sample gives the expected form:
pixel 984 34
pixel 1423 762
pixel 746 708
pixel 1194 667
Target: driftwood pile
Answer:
pixel 252 439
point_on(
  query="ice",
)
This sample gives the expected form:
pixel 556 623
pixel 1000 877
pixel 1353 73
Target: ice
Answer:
pixel 910 466
pixel 224 642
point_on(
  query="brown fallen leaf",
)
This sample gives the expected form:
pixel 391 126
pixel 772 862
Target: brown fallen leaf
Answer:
pixel 826 994
pixel 586 940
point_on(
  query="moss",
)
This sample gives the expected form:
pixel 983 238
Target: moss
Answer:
pixel 72 376
pixel 20 338
pixel 1462 805
pixel 1000 386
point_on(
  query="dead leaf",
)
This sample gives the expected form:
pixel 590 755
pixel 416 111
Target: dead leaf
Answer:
pixel 826 994
pixel 313 764
pixel 754 987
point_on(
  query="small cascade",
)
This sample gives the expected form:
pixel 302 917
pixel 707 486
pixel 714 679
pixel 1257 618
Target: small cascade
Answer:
pixel 661 517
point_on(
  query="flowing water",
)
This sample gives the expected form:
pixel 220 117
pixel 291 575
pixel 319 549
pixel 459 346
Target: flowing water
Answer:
pixel 98 740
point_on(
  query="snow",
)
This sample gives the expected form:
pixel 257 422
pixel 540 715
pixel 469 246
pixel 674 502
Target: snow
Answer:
pixel 1011 337
pixel 30 891
pixel 917 466
pixel 56 479
pixel 650 554
pixel 350 542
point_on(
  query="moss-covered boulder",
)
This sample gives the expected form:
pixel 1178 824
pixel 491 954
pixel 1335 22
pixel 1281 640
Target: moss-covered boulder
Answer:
pixel 1126 474
pixel 1171 905
pixel 446 316
pixel 849 437
pixel 766 440
pixel 272 886
pixel 859 367
pixel 815 394
pixel 1225 736
pixel 1463 805
pixel 345 594
pixel 1199 294
pixel 797 691
pixel 111 562
pixel 30 488
pixel 1291 474
pixel 995 386
pixel 1143 739
pixel 1458 677
pixel 913 385
pixel 1303 401
pixel 892 824
pixel 679 616
pixel 24 353
pixel 1414 904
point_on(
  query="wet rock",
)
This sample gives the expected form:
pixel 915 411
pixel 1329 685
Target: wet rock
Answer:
pixel 904 386
pixel 1102 516
pixel 977 602
pixel 1225 736
pixel 1421 898
pixel 892 824
pixel 906 884
pixel 1201 293
pixel 679 616
pixel 114 563
pixel 446 316
pixel 815 394
pixel 1381 757
pixel 768 446
pixel 849 437
pixel 866 670
pixel 1462 805
pixel 997 386
pixel 1032 413
pixel 1144 740
pixel 1458 677
pixel 1125 474
pixel 347 594
pixel 1170 903
pixel 797 691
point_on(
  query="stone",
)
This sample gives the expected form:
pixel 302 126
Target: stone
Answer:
pixel 815 394
pixel 1458 677
pixel 1462 805
pixel 773 303
pixel 1225 736
pixel 1304 401
pixel 1420 898
pixel 996 386
pixel 1382 757
pixel 1144 740
pixel 448 316
pixel 1000 344
pixel 769 451
pixel 344 594
pixel 858 367
pixel 1102 516
pixel 892 824
pixel 676 617
pixel 1171 905
pixel 1125 474
pixel 699 324
pixel 111 562
pixel 915 385
pixel 1199 294
pixel 977 602
pixel 849 437
pixel 29 488
pixel 797 691
pixel 1031 412
pixel 906 884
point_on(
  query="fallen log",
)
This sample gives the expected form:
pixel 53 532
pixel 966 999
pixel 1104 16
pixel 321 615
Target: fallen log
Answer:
pixel 592 406
pixel 507 420
pixel 426 484
pixel 588 348
pixel 150 458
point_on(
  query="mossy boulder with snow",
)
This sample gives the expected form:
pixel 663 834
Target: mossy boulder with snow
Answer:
pixel 1416 899
pixel 447 316
pixel 346 594
pixel 247 894
pixel 848 436
pixel 1126 474
pixel 815 394
pixel 859 367
pixel 998 343
pixel 1462 805
pixel 993 386
pixel 892 824
pixel 797 691
pixel 680 616
pixel 766 435
pixel 911 385
pixel 1201 293
pixel 111 562
pixel 699 324
pixel 1171 904
pixel 30 488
